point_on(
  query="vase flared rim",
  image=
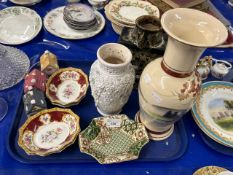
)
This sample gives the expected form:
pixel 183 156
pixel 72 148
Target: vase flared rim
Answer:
pixel 198 18
pixel 127 58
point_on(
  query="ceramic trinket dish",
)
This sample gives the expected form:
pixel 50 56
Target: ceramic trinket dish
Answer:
pixel 49 131
pixel 213 110
pixel 98 4
pixel 48 63
pixel 203 66
pixel 111 78
pixel 14 66
pixel 18 25
pixel 67 87
pixel 34 101
pixel 79 16
pixel 35 80
pixel 113 139
pixel 55 24
pixel 166 97
pixel 220 68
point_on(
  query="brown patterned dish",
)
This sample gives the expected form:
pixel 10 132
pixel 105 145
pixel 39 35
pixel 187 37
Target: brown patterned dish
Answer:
pixel 113 139
pixel 67 87
pixel 49 131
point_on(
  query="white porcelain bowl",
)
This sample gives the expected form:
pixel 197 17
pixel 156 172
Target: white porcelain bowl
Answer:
pixel 98 4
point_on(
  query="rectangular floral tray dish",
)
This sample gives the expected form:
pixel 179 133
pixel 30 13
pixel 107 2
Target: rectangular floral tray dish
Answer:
pixel 169 149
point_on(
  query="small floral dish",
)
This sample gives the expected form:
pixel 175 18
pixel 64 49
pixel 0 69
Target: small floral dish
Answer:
pixel 49 131
pixel 113 139
pixel 213 111
pixel 67 87
pixel 220 68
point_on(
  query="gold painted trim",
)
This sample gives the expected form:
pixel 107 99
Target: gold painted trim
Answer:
pixel 204 90
pixel 58 102
pixel 23 127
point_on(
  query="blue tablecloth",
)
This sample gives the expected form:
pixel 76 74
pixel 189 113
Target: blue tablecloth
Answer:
pixel 198 154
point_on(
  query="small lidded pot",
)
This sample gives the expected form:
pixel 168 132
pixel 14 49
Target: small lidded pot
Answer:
pixel 111 78
pixel 220 68
pixel 203 67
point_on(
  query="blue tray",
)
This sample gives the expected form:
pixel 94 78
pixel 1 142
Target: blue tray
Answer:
pixel 169 149
pixel 216 146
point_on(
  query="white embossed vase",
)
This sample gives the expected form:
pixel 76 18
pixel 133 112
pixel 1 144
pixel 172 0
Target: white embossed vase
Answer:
pixel 111 78
pixel 168 85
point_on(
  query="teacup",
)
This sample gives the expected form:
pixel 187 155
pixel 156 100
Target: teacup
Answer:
pixel 220 68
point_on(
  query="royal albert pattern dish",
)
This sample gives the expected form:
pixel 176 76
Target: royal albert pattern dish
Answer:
pixel 49 131
pixel 55 24
pixel 127 11
pixel 14 66
pixel 213 111
pixel 18 25
pixel 67 87
pixel 113 139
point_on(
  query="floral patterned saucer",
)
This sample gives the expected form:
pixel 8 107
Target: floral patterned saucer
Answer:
pixel 113 139
pixel 127 11
pixel 213 111
pixel 49 131
pixel 67 87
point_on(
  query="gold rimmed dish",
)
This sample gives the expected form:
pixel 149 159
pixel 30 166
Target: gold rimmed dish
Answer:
pixel 49 131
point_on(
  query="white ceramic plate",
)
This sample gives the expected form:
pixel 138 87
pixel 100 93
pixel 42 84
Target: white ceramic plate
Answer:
pixel 55 24
pixel 18 25
pixel 213 111
pixel 127 11
pixel 25 2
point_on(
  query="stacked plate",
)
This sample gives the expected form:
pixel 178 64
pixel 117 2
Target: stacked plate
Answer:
pixel 123 13
pixel 79 16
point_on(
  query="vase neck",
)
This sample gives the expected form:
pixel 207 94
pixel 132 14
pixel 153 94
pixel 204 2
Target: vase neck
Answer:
pixel 113 70
pixel 179 58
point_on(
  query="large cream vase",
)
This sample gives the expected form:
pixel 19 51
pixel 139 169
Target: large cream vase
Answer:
pixel 168 85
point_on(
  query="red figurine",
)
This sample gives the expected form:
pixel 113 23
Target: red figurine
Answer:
pixel 35 80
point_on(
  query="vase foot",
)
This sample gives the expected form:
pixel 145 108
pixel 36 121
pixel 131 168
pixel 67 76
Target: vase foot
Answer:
pixel 107 114
pixel 154 135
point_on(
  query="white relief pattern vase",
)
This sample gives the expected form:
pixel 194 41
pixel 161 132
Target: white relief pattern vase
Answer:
pixel 111 78
pixel 168 85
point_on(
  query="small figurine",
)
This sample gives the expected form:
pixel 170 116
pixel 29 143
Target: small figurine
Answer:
pixel 220 68
pixel 48 63
pixel 203 66
pixel 34 101
pixel 35 80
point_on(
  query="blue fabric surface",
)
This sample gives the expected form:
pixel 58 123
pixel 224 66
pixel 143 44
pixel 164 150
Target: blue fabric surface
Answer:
pixel 198 154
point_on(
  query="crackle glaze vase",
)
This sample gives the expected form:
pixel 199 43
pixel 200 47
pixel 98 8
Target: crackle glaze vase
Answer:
pixel 111 78
pixel 168 85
